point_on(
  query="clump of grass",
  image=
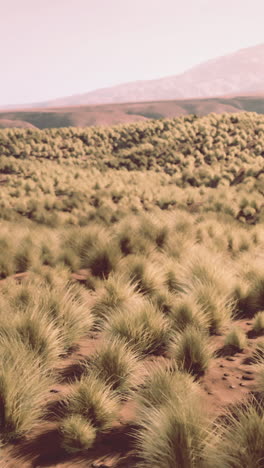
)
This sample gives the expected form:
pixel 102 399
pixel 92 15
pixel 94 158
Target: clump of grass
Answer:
pixel 94 400
pixel 191 351
pixel 69 307
pixel 217 307
pixel 40 334
pixel 118 365
pixel 145 274
pixel 24 385
pixel 258 353
pixel 258 324
pixel 143 326
pixel 172 435
pixel 77 434
pixel 103 260
pixel 186 311
pixel 240 441
pixel 166 384
pixel 236 339
pixel 116 292
pixel 25 256
pixel 255 299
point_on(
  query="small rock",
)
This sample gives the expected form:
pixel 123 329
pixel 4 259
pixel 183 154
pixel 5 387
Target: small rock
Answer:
pixel 224 378
pixel 247 377
pixel 226 375
pixel 229 358
pixel 54 391
pixel 232 386
pixel 210 393
pixel 248 323
pixel 242 384
pixel 221 365
pixel 249 372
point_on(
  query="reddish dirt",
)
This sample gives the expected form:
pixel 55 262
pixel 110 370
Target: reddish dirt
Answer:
pixel 229 380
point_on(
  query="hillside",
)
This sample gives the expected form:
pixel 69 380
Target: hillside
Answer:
pixel 112 114
pixel 132 294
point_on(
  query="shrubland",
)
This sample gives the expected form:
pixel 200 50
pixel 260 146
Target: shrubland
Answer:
pixel 162 223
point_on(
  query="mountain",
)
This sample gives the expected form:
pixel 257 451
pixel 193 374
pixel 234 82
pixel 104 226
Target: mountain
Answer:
pixel 239 73
pixel 111 114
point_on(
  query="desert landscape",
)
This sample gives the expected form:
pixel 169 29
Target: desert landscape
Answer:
pixel 131 234
pixel 132 294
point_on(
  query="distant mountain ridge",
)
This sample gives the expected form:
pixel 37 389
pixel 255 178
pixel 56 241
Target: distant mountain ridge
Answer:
pixel 239 73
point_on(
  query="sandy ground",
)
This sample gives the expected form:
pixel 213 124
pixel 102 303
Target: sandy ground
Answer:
pixel 229 379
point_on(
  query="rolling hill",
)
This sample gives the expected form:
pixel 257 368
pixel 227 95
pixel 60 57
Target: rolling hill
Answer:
pixel 112 114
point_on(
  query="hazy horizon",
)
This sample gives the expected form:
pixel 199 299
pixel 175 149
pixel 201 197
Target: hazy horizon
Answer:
pixel 66 47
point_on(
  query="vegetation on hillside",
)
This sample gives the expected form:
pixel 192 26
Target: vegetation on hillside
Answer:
pixel 162 223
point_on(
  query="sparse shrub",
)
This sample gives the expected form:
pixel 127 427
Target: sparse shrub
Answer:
pixel 77 434
pixel 191 351
pixel 236 339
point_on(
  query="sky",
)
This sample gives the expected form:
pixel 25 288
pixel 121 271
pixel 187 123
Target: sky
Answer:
pixel 56 48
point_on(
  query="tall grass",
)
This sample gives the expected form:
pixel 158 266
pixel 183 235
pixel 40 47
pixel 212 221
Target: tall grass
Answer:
pixel 118 365
pixel 94 400
pixel 24 386
pixel 172 435
pixel 143 326
pixel 191 351
pixel 239 441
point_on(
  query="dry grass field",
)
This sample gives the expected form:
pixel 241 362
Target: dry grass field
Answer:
pixel 132 294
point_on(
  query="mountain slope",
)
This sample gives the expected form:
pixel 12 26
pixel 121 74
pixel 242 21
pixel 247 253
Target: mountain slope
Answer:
pixel 239 73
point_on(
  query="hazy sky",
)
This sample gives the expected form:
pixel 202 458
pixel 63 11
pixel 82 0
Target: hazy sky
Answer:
pixel 55 48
